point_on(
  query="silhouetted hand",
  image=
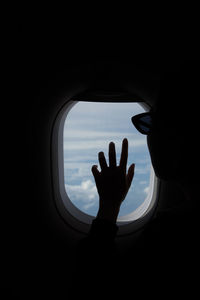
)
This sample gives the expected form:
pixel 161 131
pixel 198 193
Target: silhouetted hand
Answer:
pixel 112 182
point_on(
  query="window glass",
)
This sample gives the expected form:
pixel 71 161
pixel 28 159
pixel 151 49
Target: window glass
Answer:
pixel 89 128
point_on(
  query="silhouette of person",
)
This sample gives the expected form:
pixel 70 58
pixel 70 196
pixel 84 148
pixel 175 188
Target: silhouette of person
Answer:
pixel 171 128
pixel 169 242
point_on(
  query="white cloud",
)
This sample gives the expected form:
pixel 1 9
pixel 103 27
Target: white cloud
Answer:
pixel 92 134
pixel 80 169
pixel 143 182
pixel 101 144
pixel 84 195
pixel 88 206
pixel 143 170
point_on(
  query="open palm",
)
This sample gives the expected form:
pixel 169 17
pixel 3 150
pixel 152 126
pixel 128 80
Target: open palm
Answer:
pixel 113 182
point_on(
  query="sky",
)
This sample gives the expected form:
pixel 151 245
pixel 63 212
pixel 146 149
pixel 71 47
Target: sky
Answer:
pixel 89 128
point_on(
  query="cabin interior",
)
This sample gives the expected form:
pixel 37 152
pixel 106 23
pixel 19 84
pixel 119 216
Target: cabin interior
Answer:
pixel 41 249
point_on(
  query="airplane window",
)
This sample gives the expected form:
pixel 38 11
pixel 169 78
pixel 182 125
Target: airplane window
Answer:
pixel 88 129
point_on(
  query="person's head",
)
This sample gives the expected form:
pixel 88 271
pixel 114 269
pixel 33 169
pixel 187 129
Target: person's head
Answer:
pixel 172 127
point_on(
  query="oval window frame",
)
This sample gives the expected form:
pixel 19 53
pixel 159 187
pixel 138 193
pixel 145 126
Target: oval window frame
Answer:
pixel 73 216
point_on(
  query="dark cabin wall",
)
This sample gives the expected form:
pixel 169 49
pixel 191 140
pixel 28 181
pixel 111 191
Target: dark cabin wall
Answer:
pixel 34 239
pixel 41 241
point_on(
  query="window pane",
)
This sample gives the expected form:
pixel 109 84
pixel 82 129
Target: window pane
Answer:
pixel 89 128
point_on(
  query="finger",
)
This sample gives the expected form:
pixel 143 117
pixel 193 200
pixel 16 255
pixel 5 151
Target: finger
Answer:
pixel 95 173
pixel 112 155
pixel 130 175
pixel 102 161
pixel 124 154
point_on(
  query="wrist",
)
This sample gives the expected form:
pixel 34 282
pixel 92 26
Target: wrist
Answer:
pixel 108 212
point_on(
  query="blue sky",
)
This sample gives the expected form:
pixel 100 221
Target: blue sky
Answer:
pixel 88 129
